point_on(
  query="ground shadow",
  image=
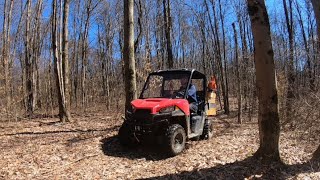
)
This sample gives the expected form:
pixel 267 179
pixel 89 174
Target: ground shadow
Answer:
pixel 112 147
pixel 62 131
pixel 249 168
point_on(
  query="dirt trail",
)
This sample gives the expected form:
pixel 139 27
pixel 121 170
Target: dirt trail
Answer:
pixel 89 149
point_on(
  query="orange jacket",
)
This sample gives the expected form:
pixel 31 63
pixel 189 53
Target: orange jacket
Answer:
pixel 212 85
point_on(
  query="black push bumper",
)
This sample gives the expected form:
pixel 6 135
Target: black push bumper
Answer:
pixel 146 124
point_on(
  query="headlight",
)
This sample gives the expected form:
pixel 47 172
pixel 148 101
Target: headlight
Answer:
pixel 167 109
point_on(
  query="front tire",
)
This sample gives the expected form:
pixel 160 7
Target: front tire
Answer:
pixel 175 139
pixel 126 136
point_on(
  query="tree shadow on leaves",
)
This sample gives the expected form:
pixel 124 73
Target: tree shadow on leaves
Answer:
pixel 249 168
pixel 61 131
pixel 149 152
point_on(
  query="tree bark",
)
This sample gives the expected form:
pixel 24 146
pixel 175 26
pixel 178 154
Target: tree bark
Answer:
pixel 227 110
pixel 76 56
pixel 140 14
pixel 237 74
pixel 6 52
pixel 316 9
pixel 29 64
pixel 268 118
pixel 220 62
pixel 306 47
pixel 128 53
pixel 167 26
pixel 316 154
pixel 84 55
pixel 37 47
pixel 65 59
pixel 217 54
pixel 63 114
pixel 291 77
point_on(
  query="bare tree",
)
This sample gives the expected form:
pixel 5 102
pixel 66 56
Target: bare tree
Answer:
pixel 291 78
pixel 84 53
pixel 316 8
pixel 128 53
pixel 105 41
pixel 226 96
pixel 140 19
pixel 37 41
pixel 268 118
pixel 237 74
pixel 64 113
pixel 29 64
pixel 65 59
pixel 167 29
pixel 6 51
pixel 218 56
pixel 306 46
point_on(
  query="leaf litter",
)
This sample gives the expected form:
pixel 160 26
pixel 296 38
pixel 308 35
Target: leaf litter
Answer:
pixel 89 149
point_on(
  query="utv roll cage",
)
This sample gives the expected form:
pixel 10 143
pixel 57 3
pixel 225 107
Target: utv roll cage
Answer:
pixel 191 73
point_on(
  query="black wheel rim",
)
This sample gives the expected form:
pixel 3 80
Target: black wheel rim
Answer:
pixel 178 141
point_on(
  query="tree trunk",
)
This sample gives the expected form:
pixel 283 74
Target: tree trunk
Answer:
pixel 84 53
pixel 201 22
pixel 220 62
pixel 63 114
pixel 128 53
pixel 76 56
pixel 29 64
pixel 36 46
pixel 291 77
pixel 238 74
pixel 65 59
pixel 316 154
pixel 148 54
pixel 6 52
pixel 140 14
pixel 268 118
pixel 306 47
pixel 227 110
pixel 316 8
pixel 217 54
pixel 167 26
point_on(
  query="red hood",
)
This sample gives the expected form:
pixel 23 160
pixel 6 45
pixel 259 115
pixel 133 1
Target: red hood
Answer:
pixel 155 104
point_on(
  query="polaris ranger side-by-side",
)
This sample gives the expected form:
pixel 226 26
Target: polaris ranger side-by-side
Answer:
pixel 165 113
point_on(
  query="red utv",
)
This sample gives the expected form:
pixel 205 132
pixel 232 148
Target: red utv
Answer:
pixel 162 113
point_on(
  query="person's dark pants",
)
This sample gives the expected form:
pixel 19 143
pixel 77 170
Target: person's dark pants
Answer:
pixel 193 107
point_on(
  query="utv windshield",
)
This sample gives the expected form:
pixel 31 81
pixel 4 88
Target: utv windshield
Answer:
pixel 166 85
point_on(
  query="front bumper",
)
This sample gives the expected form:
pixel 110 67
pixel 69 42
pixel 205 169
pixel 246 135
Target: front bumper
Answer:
pixel 142 123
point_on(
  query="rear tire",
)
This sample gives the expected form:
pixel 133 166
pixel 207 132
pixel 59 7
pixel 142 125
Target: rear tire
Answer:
pixel 175 139
pixel 207 130
pixel 126 136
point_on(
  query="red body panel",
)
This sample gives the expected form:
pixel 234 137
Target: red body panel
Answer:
pixel 155 104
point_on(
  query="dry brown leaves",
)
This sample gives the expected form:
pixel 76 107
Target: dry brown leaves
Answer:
pixel 89 149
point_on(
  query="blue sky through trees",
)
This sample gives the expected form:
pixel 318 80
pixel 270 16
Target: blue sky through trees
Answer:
pixel 186 9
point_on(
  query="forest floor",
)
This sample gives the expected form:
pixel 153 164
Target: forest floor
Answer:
pixel 43 148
